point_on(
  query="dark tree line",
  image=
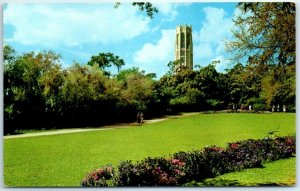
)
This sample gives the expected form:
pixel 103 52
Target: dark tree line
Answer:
pixel 39 93
pixel 241 86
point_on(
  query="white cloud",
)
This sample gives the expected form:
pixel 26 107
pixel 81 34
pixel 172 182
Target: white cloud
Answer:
pixel 224 63
pixel 153 57
pixel 51 25
pixel 167 9
pixel 202 50
pixel 209 42
pixel 216 27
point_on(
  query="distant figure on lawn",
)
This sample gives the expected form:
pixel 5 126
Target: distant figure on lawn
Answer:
pixel 250 107
pixel 140 117
pixel 278 108
pixel 273 108
pixel 283 108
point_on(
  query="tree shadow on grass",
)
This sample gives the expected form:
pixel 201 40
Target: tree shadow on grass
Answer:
pixel 14 133
pixel 274 184
pixel 234 183
pixel 213 182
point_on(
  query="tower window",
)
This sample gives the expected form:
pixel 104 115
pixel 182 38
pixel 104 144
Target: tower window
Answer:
pixel 182 40
pixel 188 42
pixel 182 53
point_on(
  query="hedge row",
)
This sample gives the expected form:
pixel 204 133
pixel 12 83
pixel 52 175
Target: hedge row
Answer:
pixel 183 167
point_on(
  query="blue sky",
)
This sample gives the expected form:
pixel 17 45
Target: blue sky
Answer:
pixel 79 30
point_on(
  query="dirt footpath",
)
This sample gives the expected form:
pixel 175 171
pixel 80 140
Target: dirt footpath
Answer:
pixel 103 128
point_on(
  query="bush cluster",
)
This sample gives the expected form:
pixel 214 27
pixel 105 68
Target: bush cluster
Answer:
pixel 100 177
pixel 183 167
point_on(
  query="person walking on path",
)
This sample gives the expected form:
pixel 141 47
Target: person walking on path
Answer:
pixel 140 117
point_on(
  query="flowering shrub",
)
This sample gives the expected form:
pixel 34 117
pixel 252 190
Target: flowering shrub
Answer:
pixel 151 172
pixel 195 168
pixel 182 167
pixel 252 153
pixel 99 177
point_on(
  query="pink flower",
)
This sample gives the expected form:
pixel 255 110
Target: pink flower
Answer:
pixel 100 171
pixel 234 146
pixel 95 176
pixel 157 170
pixel 175 161
pixel 177 171
pixel 288 141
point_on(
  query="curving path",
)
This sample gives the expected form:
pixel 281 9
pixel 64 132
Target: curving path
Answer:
pixel 103 128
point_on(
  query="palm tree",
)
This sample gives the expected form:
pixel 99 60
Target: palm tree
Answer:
pixel 118 62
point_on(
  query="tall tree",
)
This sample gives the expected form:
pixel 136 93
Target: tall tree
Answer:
pixel 105 60
pixel 118 62
pixel 9 54
pixel 264 39
pixel 279 87
pixel 23 88
pixel 264 33
pixel 175 66
pixel 137 87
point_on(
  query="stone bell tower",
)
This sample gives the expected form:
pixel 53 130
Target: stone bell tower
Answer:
pixel 184 47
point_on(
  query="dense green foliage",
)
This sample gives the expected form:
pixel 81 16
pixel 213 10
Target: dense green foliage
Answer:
pixel 183 167
pixel 39 93
pixel 104 60
pixel 265 40
pixel 265 33
pixel 63 160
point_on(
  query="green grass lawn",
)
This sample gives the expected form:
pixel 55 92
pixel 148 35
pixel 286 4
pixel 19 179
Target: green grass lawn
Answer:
pixel 277 173
pixel 63 160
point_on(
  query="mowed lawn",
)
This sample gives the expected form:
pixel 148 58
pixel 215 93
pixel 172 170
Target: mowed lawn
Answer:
pixel 278 173
pixel 63 160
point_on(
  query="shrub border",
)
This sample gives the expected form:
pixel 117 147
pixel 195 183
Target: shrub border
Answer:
pixel 183 167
